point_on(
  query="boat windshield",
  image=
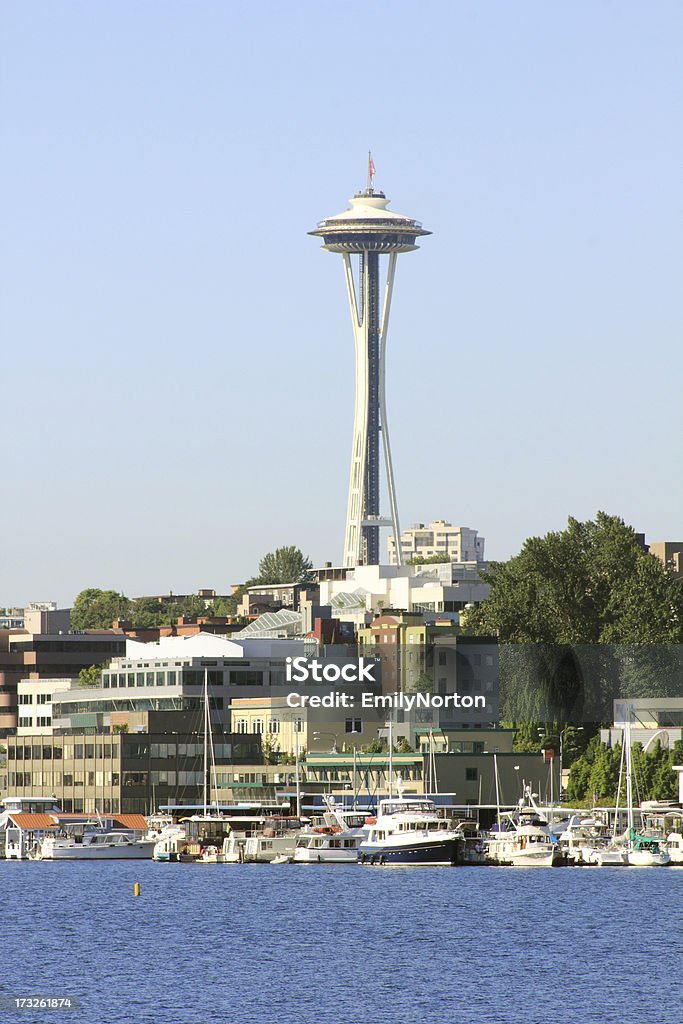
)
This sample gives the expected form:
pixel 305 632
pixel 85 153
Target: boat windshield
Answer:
pixel 407 807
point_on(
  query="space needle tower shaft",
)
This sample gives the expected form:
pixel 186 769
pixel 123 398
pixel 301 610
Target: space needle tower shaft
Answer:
pixel 369 230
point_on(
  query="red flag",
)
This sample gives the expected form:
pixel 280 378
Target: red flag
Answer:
pixel 371 167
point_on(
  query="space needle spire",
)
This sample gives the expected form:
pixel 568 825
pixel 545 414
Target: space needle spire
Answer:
pixel 369 230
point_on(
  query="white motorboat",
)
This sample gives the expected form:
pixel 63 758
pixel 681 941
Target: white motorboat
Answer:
pixel 95 844
pixel 277 838
pixel 334 840
pixel 408 830
pixel 674 847
pixel 525 845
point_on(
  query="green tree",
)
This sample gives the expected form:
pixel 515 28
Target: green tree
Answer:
pixel 97 609
pixel 91 676
pixel 591 583
pixel 284 565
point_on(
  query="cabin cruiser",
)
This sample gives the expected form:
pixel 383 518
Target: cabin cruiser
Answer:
pixel 408 830
pixel 674 847
pixel 277 838
pixel 524 845
pixel 194 836
pixel 334 839
pixel 93 842
pixel 589 840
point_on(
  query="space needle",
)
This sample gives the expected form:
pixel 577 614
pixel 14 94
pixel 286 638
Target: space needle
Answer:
pixel 369 230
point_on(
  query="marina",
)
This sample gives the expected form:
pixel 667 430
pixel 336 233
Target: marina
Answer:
pixel 406 829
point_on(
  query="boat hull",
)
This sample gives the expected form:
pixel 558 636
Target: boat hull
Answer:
pixel 322 856
pixel 134 851
pixel 437 854
pixel 647 859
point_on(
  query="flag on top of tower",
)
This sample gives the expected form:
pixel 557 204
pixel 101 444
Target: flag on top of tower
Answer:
pixel 371 167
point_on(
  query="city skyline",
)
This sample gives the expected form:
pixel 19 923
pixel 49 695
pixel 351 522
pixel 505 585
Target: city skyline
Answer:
pixel 179 405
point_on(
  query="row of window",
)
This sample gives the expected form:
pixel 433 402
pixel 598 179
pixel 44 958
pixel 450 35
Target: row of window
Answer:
pixel 242 725
pixel 126 680
pixel 52 780
pixel 57 752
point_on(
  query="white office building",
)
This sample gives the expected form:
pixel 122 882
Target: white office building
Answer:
pixel 440 539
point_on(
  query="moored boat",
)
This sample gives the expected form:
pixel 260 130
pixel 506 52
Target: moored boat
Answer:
pixel 332 840
pixel 94 843
pixel 408 830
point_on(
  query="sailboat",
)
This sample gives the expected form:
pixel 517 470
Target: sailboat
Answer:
pixel 643 851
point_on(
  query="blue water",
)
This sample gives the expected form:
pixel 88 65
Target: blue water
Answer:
pixel 333 944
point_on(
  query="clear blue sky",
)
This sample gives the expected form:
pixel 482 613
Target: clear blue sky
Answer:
pixel 177 361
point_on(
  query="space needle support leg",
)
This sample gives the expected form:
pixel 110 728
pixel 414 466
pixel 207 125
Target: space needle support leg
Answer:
pixel 353 536
pixel 393 505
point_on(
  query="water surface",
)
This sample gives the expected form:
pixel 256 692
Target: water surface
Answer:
pixel 310 944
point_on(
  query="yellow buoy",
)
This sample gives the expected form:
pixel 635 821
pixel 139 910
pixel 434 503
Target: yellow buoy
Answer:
pixel 136 889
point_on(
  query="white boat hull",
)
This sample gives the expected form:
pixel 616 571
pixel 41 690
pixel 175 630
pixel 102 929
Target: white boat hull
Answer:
pixel 263 851
pixel 141 850
pixel 647 859
pixel 323 856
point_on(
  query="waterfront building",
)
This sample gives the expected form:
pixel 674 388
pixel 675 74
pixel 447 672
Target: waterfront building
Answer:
pixel 369 230
pixel 151 758
pixel 461 781
pixel 453 740
pixel 24 655
pixel 438 539
pixel 285 729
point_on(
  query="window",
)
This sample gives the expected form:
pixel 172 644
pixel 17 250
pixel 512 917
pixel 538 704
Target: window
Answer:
pixel 246 678
pixel 471 774
pixel 273 725
pixel 241 725
pixel 442 657
pixel 257 725
pixel 354 725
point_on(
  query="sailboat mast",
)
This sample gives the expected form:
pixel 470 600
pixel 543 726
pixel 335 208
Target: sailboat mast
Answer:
pixel 391 757
pixel 495 772
pixel 206 740
pixel 629 772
